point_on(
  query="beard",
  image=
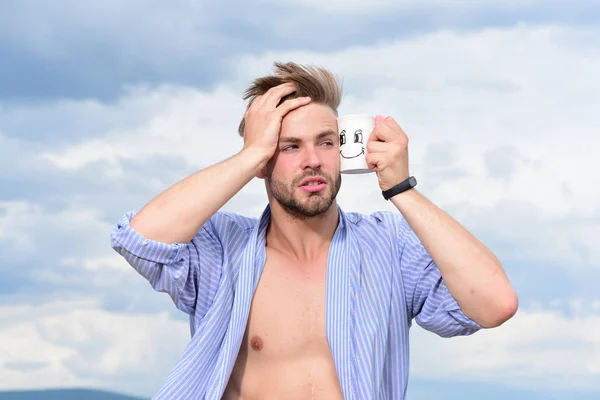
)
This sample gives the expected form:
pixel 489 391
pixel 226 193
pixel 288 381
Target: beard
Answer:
pixel 314 204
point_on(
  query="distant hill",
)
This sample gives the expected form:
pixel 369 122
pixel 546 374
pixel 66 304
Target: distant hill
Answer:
pixel 65 394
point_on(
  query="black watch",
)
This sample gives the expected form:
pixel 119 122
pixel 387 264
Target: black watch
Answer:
pixel 403 186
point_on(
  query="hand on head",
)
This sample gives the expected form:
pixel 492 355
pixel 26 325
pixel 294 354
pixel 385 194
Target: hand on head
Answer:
pixel 264 116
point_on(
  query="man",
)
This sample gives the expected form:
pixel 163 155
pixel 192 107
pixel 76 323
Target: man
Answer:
pixel 307 301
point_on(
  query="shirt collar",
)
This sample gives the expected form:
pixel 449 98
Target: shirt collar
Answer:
pixel 265 218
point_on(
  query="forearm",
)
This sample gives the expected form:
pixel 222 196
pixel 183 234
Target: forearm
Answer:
pixel 472 273
pixel 179 212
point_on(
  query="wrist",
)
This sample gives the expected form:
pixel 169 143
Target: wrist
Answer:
pixel 399 188
pixel 255 159
pixel 404 200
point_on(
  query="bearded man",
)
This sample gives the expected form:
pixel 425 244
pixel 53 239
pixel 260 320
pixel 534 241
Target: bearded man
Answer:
pixel 307 301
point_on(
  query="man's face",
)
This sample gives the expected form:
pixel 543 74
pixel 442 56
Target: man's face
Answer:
pixel 304 174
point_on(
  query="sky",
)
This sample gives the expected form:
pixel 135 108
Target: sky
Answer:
pixel 104 104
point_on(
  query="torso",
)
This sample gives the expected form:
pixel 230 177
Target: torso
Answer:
pixel 285 353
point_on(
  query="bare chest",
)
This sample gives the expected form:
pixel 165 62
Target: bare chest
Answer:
pixel 287 315
pixel 285 353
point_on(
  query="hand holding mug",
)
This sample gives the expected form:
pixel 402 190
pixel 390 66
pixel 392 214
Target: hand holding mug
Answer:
pixel 388 152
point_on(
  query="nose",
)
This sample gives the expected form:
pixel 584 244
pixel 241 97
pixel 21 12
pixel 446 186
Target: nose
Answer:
pixel 311 158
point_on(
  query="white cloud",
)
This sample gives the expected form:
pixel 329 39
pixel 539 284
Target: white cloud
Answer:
pixel 537 349
pixel 66 254
pixel 521 100
pixel 31 229
pixel 191 125
pixel 54 119
pixel 507 123
pixel 503 134
pixel 141 29
pixel 357 6
pixel 111 261
pixel 78 344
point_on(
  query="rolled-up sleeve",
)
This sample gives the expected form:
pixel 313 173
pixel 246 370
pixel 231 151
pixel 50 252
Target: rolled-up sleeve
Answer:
pixel 182 270
pixel 428 300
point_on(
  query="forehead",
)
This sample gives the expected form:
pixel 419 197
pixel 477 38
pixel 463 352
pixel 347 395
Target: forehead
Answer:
pixel 310 119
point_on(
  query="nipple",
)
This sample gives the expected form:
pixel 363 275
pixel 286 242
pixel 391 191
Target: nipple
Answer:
pixel 256 343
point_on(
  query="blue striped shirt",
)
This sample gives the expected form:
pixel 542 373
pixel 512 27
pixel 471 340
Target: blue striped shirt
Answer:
pixel 379 278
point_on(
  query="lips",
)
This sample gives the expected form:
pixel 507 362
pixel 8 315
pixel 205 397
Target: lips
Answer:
pixel 313 180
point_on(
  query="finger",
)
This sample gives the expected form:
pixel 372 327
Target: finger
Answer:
pixel 257 102
pixel 379 119
pixel 373 160
pixel 391 122
pixel 291 104
pixel 374 146
pixel 275 94
pixel 382 133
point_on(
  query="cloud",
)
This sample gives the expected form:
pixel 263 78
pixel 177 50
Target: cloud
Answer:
pixel 503 137
pixel 66 254
pixel 568 241
pixel 538 349
pixel 356 6
pixel 73 49
pixel 502 162
pixel 81 50
pixel 52 122
pixel 472 149
pixel 190 125
pixel 79 344
pixel 39 248
pixel 486 140
pixel 27 229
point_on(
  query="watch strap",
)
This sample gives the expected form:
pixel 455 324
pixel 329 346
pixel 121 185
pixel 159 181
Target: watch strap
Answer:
pixel 403 186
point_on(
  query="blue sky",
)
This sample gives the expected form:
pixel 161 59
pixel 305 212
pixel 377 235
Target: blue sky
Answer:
pixel 105 103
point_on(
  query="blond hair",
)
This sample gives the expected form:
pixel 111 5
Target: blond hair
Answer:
pixel 322 86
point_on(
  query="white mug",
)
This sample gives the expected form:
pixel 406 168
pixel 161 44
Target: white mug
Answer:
pixel 354 131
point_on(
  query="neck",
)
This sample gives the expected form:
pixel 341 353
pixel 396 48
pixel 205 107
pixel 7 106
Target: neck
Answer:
pixel 304 239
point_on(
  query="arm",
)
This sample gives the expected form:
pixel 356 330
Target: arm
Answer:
pixel 177 240
pixel 182 270
pixel 177 214
pixel 428 300
pixel 471 272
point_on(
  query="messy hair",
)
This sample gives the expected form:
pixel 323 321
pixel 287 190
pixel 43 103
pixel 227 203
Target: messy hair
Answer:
pixel 322 86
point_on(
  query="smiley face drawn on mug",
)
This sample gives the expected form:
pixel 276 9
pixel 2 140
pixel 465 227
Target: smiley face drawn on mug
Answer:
pixel 353 149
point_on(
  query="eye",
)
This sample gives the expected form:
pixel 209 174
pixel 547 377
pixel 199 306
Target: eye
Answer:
pixel 290 147
pixel 358 136
pixel 342 137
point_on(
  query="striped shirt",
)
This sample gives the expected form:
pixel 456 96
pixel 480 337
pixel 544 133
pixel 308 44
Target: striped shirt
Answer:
pixel 379 278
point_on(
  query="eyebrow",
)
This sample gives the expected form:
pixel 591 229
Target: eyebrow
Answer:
pixel 322 135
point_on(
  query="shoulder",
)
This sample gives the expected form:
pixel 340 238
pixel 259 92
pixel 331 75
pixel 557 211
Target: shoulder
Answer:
pixel 233 220
pixel 387 223
pixel 226 226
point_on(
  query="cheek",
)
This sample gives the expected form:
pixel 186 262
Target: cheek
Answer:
pixel 334 159
pixel 279 170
